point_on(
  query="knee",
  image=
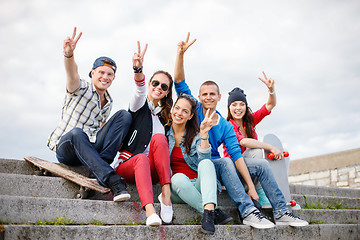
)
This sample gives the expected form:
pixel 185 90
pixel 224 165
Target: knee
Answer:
pixel 263 163
pixel 178 181
pixel 257 153
pixel 160 139
pixel 205 164
pixel 76 133
pixel 141 159
pixel 227 162
pixel 124 116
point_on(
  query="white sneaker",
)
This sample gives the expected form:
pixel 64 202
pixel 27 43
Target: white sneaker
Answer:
pixel 121 197
pixel 257 220
pixel 291 220
pixel 153 220
pixel 166 212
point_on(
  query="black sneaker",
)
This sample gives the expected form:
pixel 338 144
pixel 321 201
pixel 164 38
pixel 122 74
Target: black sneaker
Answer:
pixel 222 218
pixel 118 188
pixel 207 222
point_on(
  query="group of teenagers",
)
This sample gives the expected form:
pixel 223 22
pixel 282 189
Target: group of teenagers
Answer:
pixel 175 144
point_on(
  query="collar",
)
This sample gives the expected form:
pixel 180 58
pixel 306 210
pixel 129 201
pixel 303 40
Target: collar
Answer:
pixel 106 94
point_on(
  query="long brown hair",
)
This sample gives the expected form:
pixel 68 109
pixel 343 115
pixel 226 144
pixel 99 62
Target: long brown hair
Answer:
pixel 192 125
pixel 248 121
pixel 167 101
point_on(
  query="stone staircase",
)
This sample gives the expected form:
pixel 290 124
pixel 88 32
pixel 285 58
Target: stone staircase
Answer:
pixel 45 207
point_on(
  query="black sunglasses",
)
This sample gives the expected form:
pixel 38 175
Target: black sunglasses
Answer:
pixel 188 97
pixel 156 83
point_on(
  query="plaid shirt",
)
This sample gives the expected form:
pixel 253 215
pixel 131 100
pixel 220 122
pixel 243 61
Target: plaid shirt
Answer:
pixel 81 109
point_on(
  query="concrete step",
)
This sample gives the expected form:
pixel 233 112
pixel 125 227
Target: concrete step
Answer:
pixel 323 231
pixel 16 209
pixel 27 199
pixel 15 166
pixel 54 187
pixel 324 191
pixel 57 187
pixel 317 201
pixel 23 167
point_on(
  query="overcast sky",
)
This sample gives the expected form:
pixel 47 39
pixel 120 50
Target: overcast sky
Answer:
pixel 311 49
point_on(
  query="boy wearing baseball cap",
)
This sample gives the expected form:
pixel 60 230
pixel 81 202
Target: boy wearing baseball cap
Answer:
pixel 84 136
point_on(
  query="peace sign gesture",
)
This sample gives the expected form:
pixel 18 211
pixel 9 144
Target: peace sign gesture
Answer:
pixel 183 46
pixel 207 123
pixel 138 57
pixel 70 44
pixel 268 82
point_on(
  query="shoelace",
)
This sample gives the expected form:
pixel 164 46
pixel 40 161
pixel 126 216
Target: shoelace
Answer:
pixel 290 214
pixel 258 215
pixel 208 217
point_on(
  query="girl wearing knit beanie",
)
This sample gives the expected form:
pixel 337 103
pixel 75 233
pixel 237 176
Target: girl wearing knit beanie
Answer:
pixel 244 122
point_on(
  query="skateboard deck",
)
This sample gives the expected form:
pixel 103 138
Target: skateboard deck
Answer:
pixel 280 168
pixel 85 183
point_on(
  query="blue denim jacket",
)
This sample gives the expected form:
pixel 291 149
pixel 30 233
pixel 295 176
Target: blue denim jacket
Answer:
pixel 196 152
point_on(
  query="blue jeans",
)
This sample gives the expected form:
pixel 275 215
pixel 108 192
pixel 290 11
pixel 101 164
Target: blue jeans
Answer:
pixel 75 148
pixel 196 192
pixel 228 176
pixel 259 170
pixel 253 153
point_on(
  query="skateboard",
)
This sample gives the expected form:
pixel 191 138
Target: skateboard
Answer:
pixel 86 184
pixel 280 168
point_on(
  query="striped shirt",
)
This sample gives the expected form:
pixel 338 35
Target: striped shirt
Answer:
pixel 81 109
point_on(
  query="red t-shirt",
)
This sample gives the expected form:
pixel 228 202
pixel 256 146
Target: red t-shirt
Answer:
pixel 258 116
pixel 178 164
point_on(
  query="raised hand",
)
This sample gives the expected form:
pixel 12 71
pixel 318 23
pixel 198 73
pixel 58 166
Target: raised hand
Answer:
pixel 207 123
pixel 268 82
pixel 183 46
pixel 70 44
pixel 138 57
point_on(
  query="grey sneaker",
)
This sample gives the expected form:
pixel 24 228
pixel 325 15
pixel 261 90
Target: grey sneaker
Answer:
pixel 257 220
pixel 291 220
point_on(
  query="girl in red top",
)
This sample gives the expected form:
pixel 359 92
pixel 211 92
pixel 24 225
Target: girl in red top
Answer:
pixel 244 122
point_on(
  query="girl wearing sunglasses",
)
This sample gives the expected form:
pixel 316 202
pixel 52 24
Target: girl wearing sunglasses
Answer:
pixel 144 156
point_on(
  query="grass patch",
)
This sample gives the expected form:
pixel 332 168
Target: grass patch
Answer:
pixel 318 205
pixel 7 222
pixel 96 222
pixel 58 221
pixel 194 221
pixel 316 222
pixel 135 223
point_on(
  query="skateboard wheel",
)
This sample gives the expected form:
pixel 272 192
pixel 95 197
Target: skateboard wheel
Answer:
pixel 83 193
pixel 286 154
pixel 292 203
pixel 271 155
